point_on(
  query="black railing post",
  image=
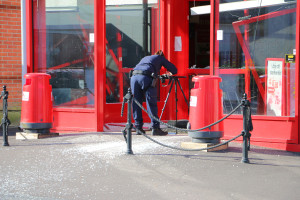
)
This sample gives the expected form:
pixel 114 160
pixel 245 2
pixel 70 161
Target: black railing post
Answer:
pixel 5 121
pixel 129 122
pixel 246 134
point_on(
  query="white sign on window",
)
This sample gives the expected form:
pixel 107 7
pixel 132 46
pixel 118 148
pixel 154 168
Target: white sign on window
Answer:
pixel 92 37
pixel 219 34
pixel 178 43
pixel 81 84
pixel 275 87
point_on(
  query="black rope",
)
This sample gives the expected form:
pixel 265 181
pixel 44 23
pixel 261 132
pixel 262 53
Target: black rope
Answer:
pixel 170 126
pixel 181 129
pixel 184 149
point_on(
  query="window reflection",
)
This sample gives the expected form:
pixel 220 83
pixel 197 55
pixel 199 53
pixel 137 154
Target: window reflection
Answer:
pixel 132 32
pixel 63 48
pixel 199 38
pixel 251 38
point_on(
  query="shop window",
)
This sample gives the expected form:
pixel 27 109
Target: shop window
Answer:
pixel 132 32
pixel 199 38
pixel 64 48
pixel 254 48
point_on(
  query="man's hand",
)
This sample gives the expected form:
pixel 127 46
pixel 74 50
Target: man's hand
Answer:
pixel 169 74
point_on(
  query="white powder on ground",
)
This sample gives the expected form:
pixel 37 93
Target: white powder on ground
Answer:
pixel 108 147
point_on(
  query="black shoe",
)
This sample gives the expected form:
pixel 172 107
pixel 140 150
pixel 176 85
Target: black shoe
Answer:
pixel 158 131
pixel 140 131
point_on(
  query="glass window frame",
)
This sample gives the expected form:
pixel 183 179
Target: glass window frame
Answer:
pixel 78 91
pixel 217 71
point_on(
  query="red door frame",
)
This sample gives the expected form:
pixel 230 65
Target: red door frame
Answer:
pixel 250 65
pixel 276 132
pixel 171 25
pixel 297 89
pixel 73 119
pixel 29 35
pixel 176 24
pixel 214 60
pixel 100 62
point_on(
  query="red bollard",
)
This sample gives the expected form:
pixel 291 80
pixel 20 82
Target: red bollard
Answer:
pixel 37 110
pixel 205 109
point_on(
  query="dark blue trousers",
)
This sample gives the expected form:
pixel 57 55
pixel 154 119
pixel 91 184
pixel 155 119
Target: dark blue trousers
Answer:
pixel 140 86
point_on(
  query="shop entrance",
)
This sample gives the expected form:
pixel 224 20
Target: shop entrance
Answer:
pixel 132 32
pixel 199 39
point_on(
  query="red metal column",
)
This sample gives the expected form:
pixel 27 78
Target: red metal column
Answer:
pixel 212 37
pixel 35 34
pixel 297 89
pixel 174 23
pixel 247 70
pixel 39 36
pixel 180 23
pixel 120 66
pixel 165 27
pixel 214 43
pixel 29 41
pixel 100 62
pixel 42 41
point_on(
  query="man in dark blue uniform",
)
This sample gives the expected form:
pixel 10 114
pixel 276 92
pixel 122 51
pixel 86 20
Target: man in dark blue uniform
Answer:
pixel 141 84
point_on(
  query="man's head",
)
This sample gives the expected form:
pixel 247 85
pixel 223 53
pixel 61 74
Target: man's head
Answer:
pixel 159 52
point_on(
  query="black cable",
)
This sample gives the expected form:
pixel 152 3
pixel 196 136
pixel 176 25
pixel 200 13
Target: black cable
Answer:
pixel 184 149
pixel 181 129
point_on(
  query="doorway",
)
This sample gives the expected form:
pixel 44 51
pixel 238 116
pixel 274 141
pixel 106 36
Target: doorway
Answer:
pixel 199 38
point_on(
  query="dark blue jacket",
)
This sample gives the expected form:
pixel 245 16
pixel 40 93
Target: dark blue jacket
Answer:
pixel 154 63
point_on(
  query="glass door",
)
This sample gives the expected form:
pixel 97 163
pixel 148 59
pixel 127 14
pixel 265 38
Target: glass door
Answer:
pixel 63 33
pixel 199 41
pixel 132 32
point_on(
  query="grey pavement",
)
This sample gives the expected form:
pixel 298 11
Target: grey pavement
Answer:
pixel 96 166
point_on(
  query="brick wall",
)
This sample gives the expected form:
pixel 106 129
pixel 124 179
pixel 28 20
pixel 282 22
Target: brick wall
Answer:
pixel 10 52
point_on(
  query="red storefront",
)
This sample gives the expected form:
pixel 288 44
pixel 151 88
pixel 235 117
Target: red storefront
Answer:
pixel 89 46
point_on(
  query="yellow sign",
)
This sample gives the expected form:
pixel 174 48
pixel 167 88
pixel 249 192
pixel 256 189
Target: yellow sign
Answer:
pixel 290 58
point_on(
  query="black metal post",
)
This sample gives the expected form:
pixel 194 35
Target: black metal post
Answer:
pixel 145 26
pixel 176 101
pixel 129 122
pixel 5 121
pixel 246 106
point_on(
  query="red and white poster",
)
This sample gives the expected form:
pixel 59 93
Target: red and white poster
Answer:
pixel 275 87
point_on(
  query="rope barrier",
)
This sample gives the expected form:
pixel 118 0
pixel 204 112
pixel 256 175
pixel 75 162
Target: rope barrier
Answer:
pixel 185 149
pixel 190 130
pixel 247 126
pixel 173 127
